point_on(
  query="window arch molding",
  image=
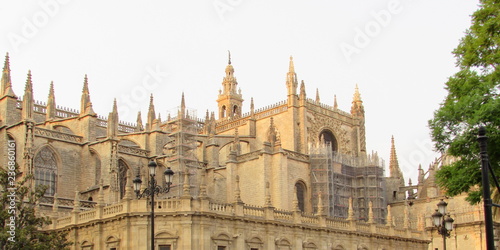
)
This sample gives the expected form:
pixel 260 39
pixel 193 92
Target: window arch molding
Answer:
pixel 328 136
pixel 301 191
pixel 122 175
pixel 46 162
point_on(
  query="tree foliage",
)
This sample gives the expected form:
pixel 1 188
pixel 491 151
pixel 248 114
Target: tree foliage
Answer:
pixel 20 225
pixel 472 101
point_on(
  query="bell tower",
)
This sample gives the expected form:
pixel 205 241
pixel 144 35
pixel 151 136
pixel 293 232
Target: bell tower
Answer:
pixel 230 99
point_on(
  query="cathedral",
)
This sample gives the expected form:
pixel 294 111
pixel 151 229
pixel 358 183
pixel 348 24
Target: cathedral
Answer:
pixel 292 175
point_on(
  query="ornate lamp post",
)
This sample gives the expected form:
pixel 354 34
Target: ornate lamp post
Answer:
pixel 443 225
pixel 151 190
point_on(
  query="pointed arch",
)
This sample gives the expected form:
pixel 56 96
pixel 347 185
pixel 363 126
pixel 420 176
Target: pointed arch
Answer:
pixel 122 176
pixel 95 163
pixel 327 137
pixel 45 164
pixel 223 111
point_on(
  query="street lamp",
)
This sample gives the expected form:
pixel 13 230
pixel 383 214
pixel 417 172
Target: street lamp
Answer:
pixel 152 190
pixel 444 225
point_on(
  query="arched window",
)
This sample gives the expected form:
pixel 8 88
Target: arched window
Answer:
pixel 122 177
pixel 328 138
pixel 301 194
pixel 223 112
pixel 46 170
pixel 235 110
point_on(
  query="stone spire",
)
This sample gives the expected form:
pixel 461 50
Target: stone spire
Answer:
pixel 357 108
pixel 291 79
pixel 6 82
pixel 335 105
pixel 394 170
pixel 113 121
pixel 406 218
pixel 51 103
pixel 186 187
pixel 421 175
pixel 268 202
pixel 182 111
pixel 76 202
pixel 139 127
pixel 252 107
pixel 350 210
pixel 371 217
pixel 237 192
pixel 317 96
pixel 389 216
pixel 321 205
pixel 28 102
pixel 151 114
pixel 85 103
pixel 302 95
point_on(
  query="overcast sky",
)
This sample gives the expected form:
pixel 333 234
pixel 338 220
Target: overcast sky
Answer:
pixel 397 51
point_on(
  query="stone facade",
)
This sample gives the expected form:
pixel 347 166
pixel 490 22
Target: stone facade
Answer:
pixel 293 175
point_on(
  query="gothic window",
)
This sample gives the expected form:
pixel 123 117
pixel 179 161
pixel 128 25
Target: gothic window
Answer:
pixel 122 177
pixel 46 170
pixel 301 194
pixel 96 163
pixel 328 138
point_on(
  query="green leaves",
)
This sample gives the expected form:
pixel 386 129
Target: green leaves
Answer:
pixel 17 217
pixel 472 101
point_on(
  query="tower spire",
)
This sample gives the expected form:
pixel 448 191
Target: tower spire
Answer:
pixel 302 90
pixel 139 126
pixel 27 111
pixel 85 103
pixel 51 103
pixel 394 169
pixel 291 80
pixel 357 108
pixel 317 96
pixel 230 99
pixel 151 114
pixel 183 106
pixel 229 57
pixel 6 83
pixel 335 105
pixel 113 121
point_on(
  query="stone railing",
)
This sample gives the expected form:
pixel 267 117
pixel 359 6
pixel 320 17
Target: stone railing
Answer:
pixel 201 207
pixel 56 135
pixel 133 151
pixel 325 109
pixel 68 203
pixel 270 110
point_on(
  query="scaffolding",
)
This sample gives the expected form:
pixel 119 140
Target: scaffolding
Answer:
pixel 181 151
pixel 339 177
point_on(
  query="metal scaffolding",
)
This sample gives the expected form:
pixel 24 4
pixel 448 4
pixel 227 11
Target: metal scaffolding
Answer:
pixel 338 177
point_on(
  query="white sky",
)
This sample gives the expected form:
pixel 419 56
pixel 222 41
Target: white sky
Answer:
pixel 400 56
